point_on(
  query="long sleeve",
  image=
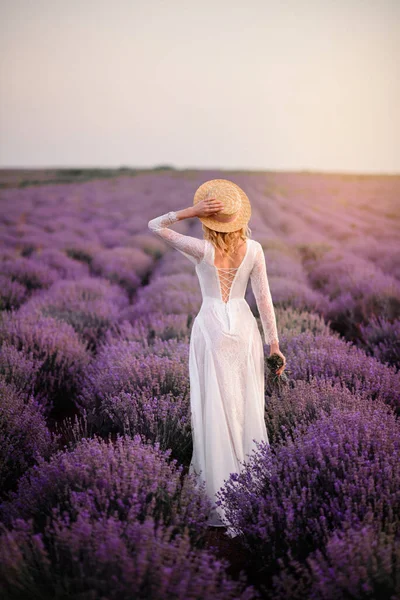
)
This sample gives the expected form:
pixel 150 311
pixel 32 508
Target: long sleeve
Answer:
pixel 191 247
pixel 262 294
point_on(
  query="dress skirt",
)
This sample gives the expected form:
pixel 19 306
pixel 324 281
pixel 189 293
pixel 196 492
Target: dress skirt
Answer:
pixel 227 393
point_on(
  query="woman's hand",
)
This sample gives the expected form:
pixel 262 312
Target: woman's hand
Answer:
pixel 282 368
pixel 208 207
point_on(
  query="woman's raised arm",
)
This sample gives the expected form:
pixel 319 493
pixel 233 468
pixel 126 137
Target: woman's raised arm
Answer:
pixel 191 247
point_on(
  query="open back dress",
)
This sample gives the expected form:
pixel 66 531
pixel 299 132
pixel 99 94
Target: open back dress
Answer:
pixel 226 359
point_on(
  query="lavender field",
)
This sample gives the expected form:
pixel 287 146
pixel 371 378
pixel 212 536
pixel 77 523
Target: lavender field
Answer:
pixel 96 312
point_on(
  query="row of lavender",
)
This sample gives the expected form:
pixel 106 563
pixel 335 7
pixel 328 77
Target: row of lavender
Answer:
pixel 96 315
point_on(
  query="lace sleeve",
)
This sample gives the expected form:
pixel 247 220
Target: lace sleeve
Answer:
pixel 262 294
pixel 191 247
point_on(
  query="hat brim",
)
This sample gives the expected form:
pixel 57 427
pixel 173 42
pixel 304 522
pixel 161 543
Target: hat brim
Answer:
pixel 242 218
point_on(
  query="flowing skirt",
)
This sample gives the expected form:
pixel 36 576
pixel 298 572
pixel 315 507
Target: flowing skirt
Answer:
pixel 227 393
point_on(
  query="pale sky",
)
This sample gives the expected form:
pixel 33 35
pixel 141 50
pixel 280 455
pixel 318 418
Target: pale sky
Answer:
pixel 248 84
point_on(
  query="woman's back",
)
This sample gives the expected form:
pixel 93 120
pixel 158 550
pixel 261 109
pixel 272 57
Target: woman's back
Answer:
pixel 225 284
pixel 218 286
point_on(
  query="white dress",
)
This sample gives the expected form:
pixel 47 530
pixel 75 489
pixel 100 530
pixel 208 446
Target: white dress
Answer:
pixel 226 359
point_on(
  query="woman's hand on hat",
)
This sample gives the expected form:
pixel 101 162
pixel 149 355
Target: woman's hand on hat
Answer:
pixel 208 207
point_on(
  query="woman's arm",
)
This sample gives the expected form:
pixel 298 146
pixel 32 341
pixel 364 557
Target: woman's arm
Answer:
pixel 186 213
pixel 262 294
pixel 191 247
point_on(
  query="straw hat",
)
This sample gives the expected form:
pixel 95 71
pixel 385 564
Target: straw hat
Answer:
pixel 237 209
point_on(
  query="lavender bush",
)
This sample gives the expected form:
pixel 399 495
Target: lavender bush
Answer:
pixel 341 470
pixel 131 367
pixel 91 306
pixel 59 354
pixel 20 368
pixel 29 273
pixel 293 322
pixel 109 558
pixel 357 287
pixel 80 252
pixel 127 478
pixel 175 294
pixel 381 339
pixel 67 267
pixel 148 327
pixel 328 357
pixel 358 562
pixel 162 419
pixel 12 293
pixel 125 266
pixel 303 402
pixel 24 435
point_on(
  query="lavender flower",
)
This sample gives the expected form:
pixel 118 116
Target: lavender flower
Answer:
pixel 24 435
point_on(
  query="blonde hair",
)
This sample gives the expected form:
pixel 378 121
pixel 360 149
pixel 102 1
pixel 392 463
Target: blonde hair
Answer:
pixel 226 242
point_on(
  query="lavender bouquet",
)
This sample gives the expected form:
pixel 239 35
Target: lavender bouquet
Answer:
pixel 274 381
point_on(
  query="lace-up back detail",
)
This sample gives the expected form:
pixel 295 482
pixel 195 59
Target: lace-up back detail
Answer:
pixel 226 277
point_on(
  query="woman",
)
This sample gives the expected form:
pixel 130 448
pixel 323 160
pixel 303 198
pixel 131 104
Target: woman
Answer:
pixel 226 358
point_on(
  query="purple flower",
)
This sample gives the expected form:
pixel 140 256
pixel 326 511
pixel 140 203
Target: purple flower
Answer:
pixel 24 435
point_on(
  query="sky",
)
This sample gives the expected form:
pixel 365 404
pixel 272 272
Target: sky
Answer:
pixel 250 84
